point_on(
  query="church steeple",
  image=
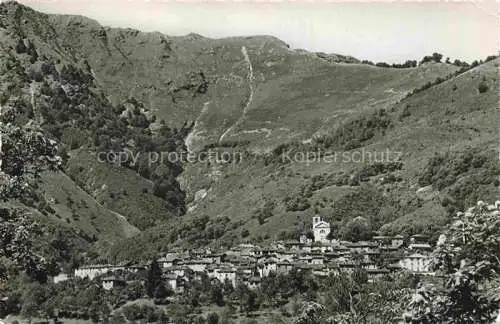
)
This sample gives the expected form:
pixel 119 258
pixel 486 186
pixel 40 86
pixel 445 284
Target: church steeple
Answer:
pixel 321 229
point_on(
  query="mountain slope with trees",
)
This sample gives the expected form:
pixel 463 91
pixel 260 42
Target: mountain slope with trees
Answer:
pixel 95 89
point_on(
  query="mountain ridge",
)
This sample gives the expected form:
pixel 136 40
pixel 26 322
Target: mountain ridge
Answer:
pixel 99 90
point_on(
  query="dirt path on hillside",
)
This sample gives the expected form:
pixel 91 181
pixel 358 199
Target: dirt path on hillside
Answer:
pixel 250 97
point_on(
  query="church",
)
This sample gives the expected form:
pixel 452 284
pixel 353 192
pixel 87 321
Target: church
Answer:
pixel 321 229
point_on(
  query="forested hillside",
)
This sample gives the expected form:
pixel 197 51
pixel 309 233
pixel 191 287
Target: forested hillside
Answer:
pixel 93 90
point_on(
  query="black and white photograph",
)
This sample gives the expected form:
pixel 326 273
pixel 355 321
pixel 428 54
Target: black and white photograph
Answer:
pixel 249 162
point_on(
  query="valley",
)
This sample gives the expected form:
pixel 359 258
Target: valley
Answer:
pixel 398 148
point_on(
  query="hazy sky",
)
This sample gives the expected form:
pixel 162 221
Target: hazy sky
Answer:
pixel 378 31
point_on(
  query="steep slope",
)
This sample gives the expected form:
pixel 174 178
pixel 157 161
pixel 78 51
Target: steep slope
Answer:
pixel 451 125
pixel 293 93
pixel 43 84
pixel 68 202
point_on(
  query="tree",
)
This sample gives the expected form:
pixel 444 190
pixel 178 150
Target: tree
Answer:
pixel 228 287
pixel 248 298
pixel 311 313
pixel 437 57
pixel 217 294
pixel 16 243
pixel 31 51
pixel 132 312
pixel 20 47
pixel 94 313
pixel 357 229
pixel 269 288
pixel 467 259
pixel 153 278
pixel 24 153
pixel 161 291
pixel 32 299
pixel 162 317
pixel 360 276
pixel 482 87
pixel 410 63
pixel 349 300
pixel 134 291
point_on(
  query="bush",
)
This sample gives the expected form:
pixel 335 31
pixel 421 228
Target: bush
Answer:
pixel 265 212
pixel 491 57
pixel 31 51
pixel 482 87
pixel 37 76
pixel 298 203
pixel 20 47
pixel 212 318
pixel 466 176
pixel 48 68
pixel 377 168
pixel 355 132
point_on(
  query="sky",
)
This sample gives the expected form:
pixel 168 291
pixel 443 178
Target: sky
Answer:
pixel 379 31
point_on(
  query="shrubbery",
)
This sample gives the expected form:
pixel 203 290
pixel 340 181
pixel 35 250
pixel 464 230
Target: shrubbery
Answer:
pixel 465 176
pixel 435 57
pixel 465 288
pixel 300 200
pixel 405 65
pixel 482 87
pixel 354 133
pixel 262 214
pixel 20 47
pixel 78 113
pixel 377 168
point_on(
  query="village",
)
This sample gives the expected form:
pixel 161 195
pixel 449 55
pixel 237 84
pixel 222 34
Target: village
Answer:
pixel 249 263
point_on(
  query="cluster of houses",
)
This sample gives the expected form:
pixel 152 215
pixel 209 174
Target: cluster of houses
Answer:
pixel 249 263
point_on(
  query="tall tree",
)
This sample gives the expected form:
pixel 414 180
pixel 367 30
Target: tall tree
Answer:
pixel 153 278
pixel 24 153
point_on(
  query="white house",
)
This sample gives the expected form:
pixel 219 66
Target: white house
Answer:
pixel 268 266
pixel 109 283
pixel 321 229
pixel 417 263
pixel 254 282
pixel 92 271
pixel 223 274
pixel 397 241
pixel 173 282
pixel 197 265
pixel 60 278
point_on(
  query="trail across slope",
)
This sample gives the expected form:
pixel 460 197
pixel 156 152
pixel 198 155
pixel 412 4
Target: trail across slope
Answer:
pixel 250 97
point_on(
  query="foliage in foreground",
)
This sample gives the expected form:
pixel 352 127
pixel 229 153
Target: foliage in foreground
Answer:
pixel 467 262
